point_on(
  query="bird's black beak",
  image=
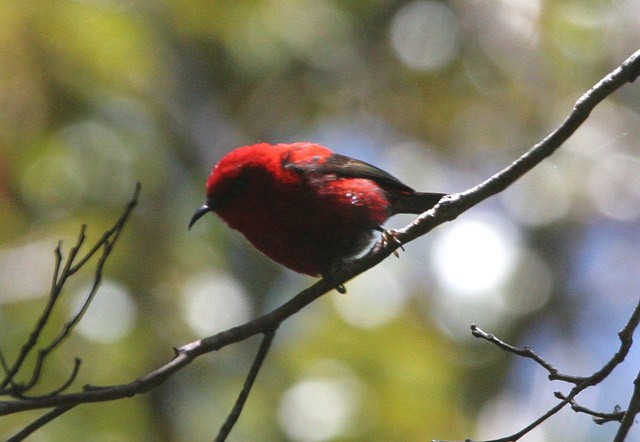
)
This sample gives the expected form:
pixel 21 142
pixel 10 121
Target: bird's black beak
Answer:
pixel 202 210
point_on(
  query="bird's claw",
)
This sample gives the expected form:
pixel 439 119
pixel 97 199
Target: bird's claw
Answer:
pixel 389 236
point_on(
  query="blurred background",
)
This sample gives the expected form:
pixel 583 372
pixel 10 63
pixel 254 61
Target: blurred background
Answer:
pixel 96 95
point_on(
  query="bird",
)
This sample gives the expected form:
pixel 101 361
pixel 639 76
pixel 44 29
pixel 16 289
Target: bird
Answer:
pixel 304 206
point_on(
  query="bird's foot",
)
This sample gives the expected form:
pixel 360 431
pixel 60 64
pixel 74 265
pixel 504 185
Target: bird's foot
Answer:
pixel 389 236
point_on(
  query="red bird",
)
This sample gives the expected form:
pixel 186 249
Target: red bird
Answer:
pixel 304 206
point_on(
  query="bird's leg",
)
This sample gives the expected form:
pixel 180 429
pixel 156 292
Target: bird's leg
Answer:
pixel 388 237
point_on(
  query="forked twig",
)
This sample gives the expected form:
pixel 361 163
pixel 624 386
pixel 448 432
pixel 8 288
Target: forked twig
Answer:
pixel 63 270
pixel 580 383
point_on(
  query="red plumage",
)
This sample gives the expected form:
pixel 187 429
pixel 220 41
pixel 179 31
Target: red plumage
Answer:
pixel 304 206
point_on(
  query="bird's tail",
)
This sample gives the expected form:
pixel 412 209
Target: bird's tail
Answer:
pixel 417 202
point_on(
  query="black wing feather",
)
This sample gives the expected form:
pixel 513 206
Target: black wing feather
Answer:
pixel 406 200
pixel 346 167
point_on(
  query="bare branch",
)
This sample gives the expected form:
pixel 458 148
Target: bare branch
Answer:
pixel 632 410
pixel 97 279
pixel 598 417
pixel 38 423
pixel 525 352
pixel 626 340
pixel 451 206
pixel 625 336
pixel 35 334
pixel 56 267
pixel 246 389
pixel 112 234
pixel 61 274
pixel 517 436
pixel 72 377
pixel 184 356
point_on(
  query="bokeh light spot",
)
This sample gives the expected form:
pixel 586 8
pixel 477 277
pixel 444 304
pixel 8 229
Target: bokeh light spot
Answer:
pixel 530 286
pixel 474 256
pixel 111 315
pixel 34 259
pixel 52 184
pixel 372 300
pixel 540 197
pixel 424 34
pixel 214 302
pixel 318 409
pixel 614 186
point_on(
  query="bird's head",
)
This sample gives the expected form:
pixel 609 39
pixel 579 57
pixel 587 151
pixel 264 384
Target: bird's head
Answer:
pixel 230 179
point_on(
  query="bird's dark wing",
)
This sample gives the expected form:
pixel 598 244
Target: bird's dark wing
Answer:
pixel 346 167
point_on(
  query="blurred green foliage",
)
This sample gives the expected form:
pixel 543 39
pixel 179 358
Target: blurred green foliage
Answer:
pixel 96 95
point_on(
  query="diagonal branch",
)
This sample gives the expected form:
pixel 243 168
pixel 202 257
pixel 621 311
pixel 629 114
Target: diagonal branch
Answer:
pixel 632 411
pixel 38 423
pixel 246 389
pixel 184 356
pixel 451 207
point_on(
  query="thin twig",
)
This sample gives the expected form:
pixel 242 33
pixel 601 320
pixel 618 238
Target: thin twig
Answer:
pixel 632 410
pixel 3 363
pixel 38 423
pixel 517 436
pixel 35 334
pixel 113 232
pixel 56 267
pixel 626 340
pixel 246 389
pixel 66 384
pixel 625 336
pixel 60 276
pixel 525 352
pixel 598 416
pixel 97 279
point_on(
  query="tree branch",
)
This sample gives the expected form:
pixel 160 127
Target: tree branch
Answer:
pixel 525 352
pixel 632 410
pixel 246 389
pixel 60 276
pixel 38 423
pixel 581 383
pixel 598 417
pixel 106 242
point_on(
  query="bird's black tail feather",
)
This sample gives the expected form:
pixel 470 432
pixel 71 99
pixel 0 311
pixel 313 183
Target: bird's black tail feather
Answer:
pixel 417 202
